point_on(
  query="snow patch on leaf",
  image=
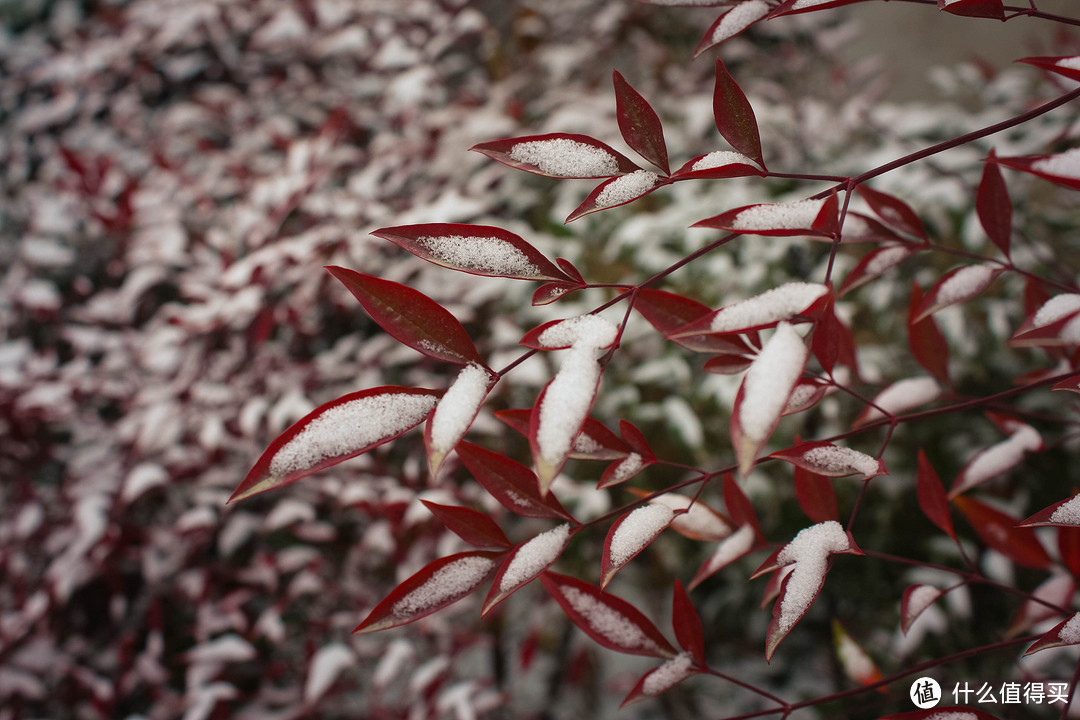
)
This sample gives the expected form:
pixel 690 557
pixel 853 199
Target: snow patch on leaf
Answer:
pixel 1070 631
pixel 458 407
pixel 563 157
pixel 453 580
pixel 1067 514
pixel 837 461
pixel 671 673
pixel 770 306
pixel 636 531
pixel 965 283
pixel 997 459
pixel 1055 309
pixel 608 622
pixel 533 556
pixel 737 19
pixel 809 552
pixel 902 395
pixel 778 216
pixel 720 158
pixel 484 254
pixel 626 188
pixel 627 468
pixel 1066 164
pixel 591 331
pixel 326 666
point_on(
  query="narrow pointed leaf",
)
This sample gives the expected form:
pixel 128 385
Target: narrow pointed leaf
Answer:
pixel 957 286
pixel 893 211
pixel 740 509
pixel 624 469
pixel 629 535
pixel 560 155
pixel 1061 169
pixel 1057 591
pixel 875 263
pixel 1000 532
pixel 336 431
pixel 854 661
pixel 639 124
pixel 560 413
pixel 594 442
pixel 1066 65
pixel 862 228
pixel 732 22
pixel 899 397
pixel 932 498
pixel 662 678
pixel 440 583
pixel 550 292
pixel 1065 513
pixel 669 313
pixel 926 341
pixel 992 9
pixel 1066 632
pixel 472 526
pixel 592 331
pixel 728 364
pixel 1055 323
pixel 720 164
pixel 455 413
pixel 474 249
pixel 693 519
pixel 734 116
pixel 610 621
pixel 1068 543
pixel 739 544
pixel 525 563
pixel 510 482
pixel 807 393
pixel 994 206
pixel 618 191
pixel 917 598
pixel 801 217
pixel 411 317
pixel 760 311
pixel 833 342
pixel 997 459
pixel 825 458
pixel 687 624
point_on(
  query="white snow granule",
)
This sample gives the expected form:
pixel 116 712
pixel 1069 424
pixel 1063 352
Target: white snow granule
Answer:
pixel 770 306
pixel 626 188
pixel 1066 165
pixel 566 403
pixel 731 549
pixel 627 468
pixel 778 216
pixel 809 551
pixel 965 283
pixel 1068 513
pixel 1056 308
pixel 585 445
pixel 480 253
pixel 738 19
pixel 458 407
pixel 999 458
pixel 347 427
pixel 590 331
pixel 636 531
pixel 769 381
pixel 533 556
pixel 720 158
pixel 564 157
pixel 608 622
pixel 839 461
pixel 903 395
pixel 887 258
pixel 669 674
pixel 1070 632
pixel 699 520
pixel 452 581
pixel 922 597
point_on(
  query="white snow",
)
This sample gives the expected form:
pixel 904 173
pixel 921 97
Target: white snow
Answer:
pixel 636 531
pixel 326 666
pixel 731 549
pixel 1070 633
pixel 922 597
pixel 856 663
pixel 737 19
pixel 809 552
pixel 608 622
pixel 903 395
pixel 626 188
pixel 457 408
pixel 585 445
pixel 453 580
pixel 670 673
pixel 965 283
pixel 801 4
pixel 627 468
pixel 347 427
pixel 1066 165
pixel 1056 308
pixel 1068 513
pixel 533 556
pixel 769 381
pixel 566 404
pixel 770 306
pixel 591 331
pixel 952 714
pixel 1071 63
pixel 999 458
pixel 839 461
pixel 699 520
pixel 885 259
pixel 778 216
pixel 564 157
pixel 720 158
pixel 486 254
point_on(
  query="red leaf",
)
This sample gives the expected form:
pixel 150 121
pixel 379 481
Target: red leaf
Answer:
pixel 668 312
pixel 594 442
pixel 662 678
pixel 1071 384
pixel 893 211
pixel 932 498
pixel 639 124
pixel 525 562
pixel 568 332
pixel 560 155
pixel 550 292
pixel 994 206
pixel 785 302
pixel 735 117
pixel 1053 324
pixel 727 364
pixel 816 495
pixel 720 164
pixel 687 624
pixel 999 531
pixel 336 431
pixel 624 469
pixel 957 286
pixel 857 665
pixel 1066 632
pixel 732 22
pixel 610 621
pixel 992 9
pixel 807 393
pixel 877 262
pixel 411 317
pixel 693 518
pixel 439 584
pixel 510 482
pixel 1064 513
pixel 619 191
pixel 1068 540
pixel 738 505
pixel 472 526
pixel 475 249
pixel 1060 169
pixel 825 458
pixel 899 397
pixel 926 341
pixel 1066 65
pixel 833 342
pixel 630 534
pixel 916 600
pixel 560 412
pixel 861 228
pixel 802 217
pixel 1054 592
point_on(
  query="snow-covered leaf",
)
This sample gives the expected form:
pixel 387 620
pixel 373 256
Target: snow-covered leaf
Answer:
pixel 893 211
pixel 326 666
pixel 854 661
pixel 1061 169
pixel 693 518
pixel 455 412
pixel 525 562
pixel 510 482
pixel 730 549
pixel 630 534
pixel 618 191
pixel 877 262
pixel 669 312
pixel 1066 632
pixel 997 459
pixel 799 217
pixel 1065 513
pixel 1055 323
pixel 732 22
pixel 719 164
pixel 758 312
pixel 1067 65
pixel 560 155
pixel 662 678
pixel 917 598
pixel 825 458
pixel 956 286
pixel 899 397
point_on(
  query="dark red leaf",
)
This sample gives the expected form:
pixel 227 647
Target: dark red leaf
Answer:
pixel 833 342
pixel 1070 384
pixel 957 286
pixel 877 262
pixel 525 562
pixel 661 679
pixel 635 439
pixel 893 211
pixel 1068 540
pixel 992 9
pixel 475 249
pixel 917 598
pixel 472 526
pixel 1066 65
pixel 610 621
pixel 802 217
pixel 1057 636
pixel 999 531
pixel 719 165
pixel 732 22
pixel 594 442
pixel 668 312
pixel 825 458
pixel 560 155
pixel 619 191
pixel 629 535
pixel 336 431
pixel 727 364
pixel 926 341
pixel 624 469
pixel 861 228
pixel 816 495
pixel 411 317
pixel 639 124
pixel 550 292
pixel 687 624
pixel 735 117
pixel 994 206
pixel 440 583
pixel 1057 514
pixel 738 505
pixel 510 482
pixel 932 498
pixel 1060 169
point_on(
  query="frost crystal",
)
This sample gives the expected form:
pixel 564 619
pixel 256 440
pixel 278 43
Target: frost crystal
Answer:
pixel 736 20
pixel 627 468
pixel 636 531
pixel 1066 165
pixel 626 188
pixel 769 382
pixel 720 158
pixel 563 157
pixel 453 580
pixel 1070 633
pixel 483 254
pixel 347 427
pixel 903 395
pixel 608 622
pixel 670 673
pixel 965 283
pixel 458 407
pixel 770 306
pixel 1056 308
pixel 832 460
pixel 809 551
pixel 778 216
pixel 533 556
pixel 1068 513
